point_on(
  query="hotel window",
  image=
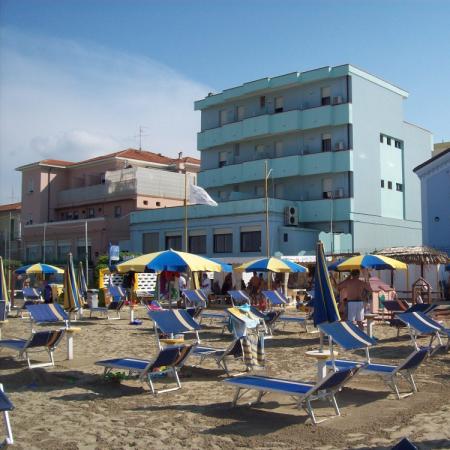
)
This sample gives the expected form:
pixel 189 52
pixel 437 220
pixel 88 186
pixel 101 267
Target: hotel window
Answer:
pixel 398 144
pixel 223 117
pixel 262 101
pixel 76 215
pixel 222 159
pixel 326 142
pixel 260 151
pixel 250 241
pixel 197 244
pixel 145 202
pixel 117 211
pixel 326 96
pixel 158 203
pixel 382 183
pixel 236 149
pixel 69 216
pixel 389 184
pixel 150 242
pixel 259 191
pixel 91 212
pixel 285 237
pixel 381 138
pixel 223 243
pixel 279 190
pixel 278 149
pixel 399 187
pixel 173 242
pixel 240 112
pixel 388 141
pixel 30 186
pixel 278 104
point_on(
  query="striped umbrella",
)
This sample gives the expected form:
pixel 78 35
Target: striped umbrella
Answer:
pixel 170 260
pixel 325 307
pixel 376 262
pixel 71 293
pixel 271 264
pixel 3 287
pixel 38 268
pixel 82 285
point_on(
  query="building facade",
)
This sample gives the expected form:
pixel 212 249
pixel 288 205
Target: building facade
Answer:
pixel 66 205
pixel 434 176
pixel 10 231
pixel 340 157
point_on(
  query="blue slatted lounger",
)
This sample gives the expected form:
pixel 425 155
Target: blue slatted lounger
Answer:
pixel 269 319
pixel 173 321
pixel 168 361
pixel 222 317
pixel 350 337
pixel 48 313
pixel 239 298
pixel 305 392
pixel 195 298
pixel 119 297
pixel 419 324
pixel 5 407
pixel 39 341
pixel 275 298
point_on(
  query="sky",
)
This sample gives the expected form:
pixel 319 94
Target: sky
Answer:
pixel 79 77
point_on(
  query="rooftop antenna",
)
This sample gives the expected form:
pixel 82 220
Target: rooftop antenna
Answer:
pixel 141 135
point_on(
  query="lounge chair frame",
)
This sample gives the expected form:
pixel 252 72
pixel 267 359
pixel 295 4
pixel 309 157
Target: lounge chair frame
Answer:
pixel 6 406
pixel 113 307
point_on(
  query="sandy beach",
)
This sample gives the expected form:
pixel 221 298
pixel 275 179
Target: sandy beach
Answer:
pixel 70 406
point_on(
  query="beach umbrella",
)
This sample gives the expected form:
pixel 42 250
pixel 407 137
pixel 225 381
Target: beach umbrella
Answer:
pixel 325 307
pixel 376 262
pixel 71 293
pixel 38 268
pixel 334 264
pixel 447 268
pixel 170 260
pixel 82 285
pixel 225 267
pixel 271 264
pixel 3 287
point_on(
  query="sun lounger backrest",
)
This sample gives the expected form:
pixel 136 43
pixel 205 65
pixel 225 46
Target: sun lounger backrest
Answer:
pixel 419 322
pixel 335 379
pixel 117 293
pixel 239 297
pixel 347 335
pixel 174 321
pixel 48 338
pixel 421 307
pixel 52 312
pixel 275 297
pixel 31 293
pixel 196 297
pixel 414 361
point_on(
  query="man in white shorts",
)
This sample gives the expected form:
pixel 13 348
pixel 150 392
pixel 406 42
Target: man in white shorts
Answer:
pixel 355 295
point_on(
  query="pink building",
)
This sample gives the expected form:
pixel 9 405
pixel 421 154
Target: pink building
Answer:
pixel 61 198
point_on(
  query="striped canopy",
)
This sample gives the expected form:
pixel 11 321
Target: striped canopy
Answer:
pixel 377 262
pixel 71 293
pixel 271 264
pixel 39 268
pixel 3 287
pixel 170 260
pixel 325 307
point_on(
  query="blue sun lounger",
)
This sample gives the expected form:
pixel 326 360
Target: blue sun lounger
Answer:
pixel 5 407
pixel 419 324
pixel 119 296
pixel 195 298
pixel 39 341
pixel 48 313
pixel 269 319
pixel 172 322
pixel 168 361
pixel 239 298
pixel 304 392
pixel 350 337
pixel 275 298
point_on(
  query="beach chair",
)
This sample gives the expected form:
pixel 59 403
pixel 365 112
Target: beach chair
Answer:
pixel 32 295
pixel 48 313
pixel 3 315
pixel 195 298
pixel 239 298
pixel 172 322
pixel 214 316
pixel 168 361
pixel 39 341
pixel 269 319
pixel 419 324
pixel 5 407
pixel 119 296
pixel 275 298
pixel 296 320
pixel 305 393
pixel 350 337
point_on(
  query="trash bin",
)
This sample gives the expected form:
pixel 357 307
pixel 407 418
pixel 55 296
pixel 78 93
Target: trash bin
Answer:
pixel 92 298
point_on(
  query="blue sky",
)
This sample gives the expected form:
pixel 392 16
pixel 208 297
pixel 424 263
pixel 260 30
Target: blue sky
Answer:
pixel 77 78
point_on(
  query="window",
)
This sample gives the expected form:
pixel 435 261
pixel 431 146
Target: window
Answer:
pixel 223 243
pixel 250 241
pixel 76 215
pixel 223 117
pixel 278 149
pixel 262 101
pixel 150 242
pixel 389 184
pixel 382 183
pixel 259 191
pixel 81 252
pixel 326 142
pixel 285 237
pixel 260 151
pixel 63 249
pixel 326 96
pixel 222 159
pixel 173 242
pixel 240 112
pixel 63 216
pixel 398 144
pixel 33 253
pixel 381 138
pixel 236 149
pixel 69 216
pixel 158 203
pixel 49 251
pixel 91 212
pixel 279 190
pixel 117 211
pixel 197 244
pixel 278 104
pixel 399 187
pixel 145 202
pixel 99 209
pixel 388 141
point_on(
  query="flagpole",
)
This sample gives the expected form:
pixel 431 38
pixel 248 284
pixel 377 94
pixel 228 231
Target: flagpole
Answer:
pixel 185 212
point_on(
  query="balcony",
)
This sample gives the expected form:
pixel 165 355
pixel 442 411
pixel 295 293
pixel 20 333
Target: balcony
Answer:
pixel 288 166
pixel 284 122
pixel 320 210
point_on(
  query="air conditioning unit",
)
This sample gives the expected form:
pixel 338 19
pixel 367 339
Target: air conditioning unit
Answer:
pixel 337 100
pixel 339 146
pixel 291 216
pixel 339 193
pixel 328 194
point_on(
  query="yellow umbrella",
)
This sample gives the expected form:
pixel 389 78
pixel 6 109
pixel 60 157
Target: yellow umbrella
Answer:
pixel 377 262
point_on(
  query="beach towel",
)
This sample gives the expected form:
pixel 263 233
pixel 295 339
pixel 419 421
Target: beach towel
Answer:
pixel 253 349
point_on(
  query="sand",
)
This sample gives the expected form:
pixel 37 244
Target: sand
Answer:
pixel 70 406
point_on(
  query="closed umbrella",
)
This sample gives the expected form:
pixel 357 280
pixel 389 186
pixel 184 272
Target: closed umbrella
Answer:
pixel 71 294
pixel 3 287
pixel 82 285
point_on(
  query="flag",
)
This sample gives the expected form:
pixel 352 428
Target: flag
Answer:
pixel 198 196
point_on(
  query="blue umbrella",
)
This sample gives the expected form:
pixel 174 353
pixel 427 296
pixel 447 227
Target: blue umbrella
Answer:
pixel 325 307
pixel 333 265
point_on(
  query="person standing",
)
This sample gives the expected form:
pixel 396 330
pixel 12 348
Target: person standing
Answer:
pixel 354 292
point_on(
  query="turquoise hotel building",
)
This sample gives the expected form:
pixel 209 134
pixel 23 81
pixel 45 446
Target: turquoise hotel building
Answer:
pixel 340 157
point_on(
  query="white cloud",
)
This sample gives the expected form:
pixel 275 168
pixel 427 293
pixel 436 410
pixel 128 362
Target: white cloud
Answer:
pixel 72 101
